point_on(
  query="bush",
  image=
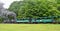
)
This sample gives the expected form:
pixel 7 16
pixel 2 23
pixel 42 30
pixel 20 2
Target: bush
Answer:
pixel 1 20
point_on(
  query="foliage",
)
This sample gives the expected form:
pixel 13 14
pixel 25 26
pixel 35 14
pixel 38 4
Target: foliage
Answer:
pixel 10 17
pixel 35 8
pixel 1 19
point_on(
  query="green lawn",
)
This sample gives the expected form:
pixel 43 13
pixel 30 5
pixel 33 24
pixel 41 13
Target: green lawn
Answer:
pixel 29 27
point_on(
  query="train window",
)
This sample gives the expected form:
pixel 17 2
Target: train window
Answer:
pixel 38 18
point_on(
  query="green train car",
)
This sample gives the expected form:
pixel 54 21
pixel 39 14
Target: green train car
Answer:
pixel 43 21
pixel 37 20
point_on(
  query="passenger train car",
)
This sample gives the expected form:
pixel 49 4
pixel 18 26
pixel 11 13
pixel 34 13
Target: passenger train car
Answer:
pixel 37 20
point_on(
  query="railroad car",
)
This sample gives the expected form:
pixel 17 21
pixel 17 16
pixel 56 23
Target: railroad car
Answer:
pixel 37 20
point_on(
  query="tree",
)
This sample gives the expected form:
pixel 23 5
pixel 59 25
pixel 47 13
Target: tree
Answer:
pixel 35 8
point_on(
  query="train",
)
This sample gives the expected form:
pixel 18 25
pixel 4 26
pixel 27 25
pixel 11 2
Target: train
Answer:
pixel 36 20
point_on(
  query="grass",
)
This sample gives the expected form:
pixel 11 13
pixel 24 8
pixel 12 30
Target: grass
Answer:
pixel 29 27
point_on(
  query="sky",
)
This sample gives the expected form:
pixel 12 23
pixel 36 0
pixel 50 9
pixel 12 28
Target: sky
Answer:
pixel 7 3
